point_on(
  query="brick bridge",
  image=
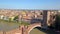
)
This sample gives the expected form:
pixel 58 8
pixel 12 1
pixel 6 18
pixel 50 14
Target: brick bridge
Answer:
pixel 32 26
pixel 47 21
pixel 22 29
pixel 26 29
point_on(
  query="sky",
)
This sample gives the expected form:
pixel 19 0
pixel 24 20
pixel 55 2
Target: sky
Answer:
pixel 30 4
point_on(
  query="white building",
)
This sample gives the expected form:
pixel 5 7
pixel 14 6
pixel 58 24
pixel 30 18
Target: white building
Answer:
pixel 1 16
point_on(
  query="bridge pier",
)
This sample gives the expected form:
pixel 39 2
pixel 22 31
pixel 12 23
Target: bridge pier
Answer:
pixel 23 29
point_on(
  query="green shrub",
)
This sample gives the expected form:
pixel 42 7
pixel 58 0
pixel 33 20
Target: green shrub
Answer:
pixel 16 17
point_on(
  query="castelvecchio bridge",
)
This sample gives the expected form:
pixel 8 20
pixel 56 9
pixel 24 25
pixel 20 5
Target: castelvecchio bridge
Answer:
pixel 47 21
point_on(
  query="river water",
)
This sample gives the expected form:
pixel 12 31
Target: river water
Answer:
pixel 8 26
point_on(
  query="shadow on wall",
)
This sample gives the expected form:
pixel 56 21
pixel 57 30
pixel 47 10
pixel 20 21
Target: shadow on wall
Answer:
pixel 48 31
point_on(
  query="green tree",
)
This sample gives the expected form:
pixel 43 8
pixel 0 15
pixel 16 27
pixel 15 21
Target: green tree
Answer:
pixel 16 18
pixel 57 22
pixel 56 25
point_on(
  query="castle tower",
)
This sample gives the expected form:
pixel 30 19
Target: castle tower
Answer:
pixel 46 17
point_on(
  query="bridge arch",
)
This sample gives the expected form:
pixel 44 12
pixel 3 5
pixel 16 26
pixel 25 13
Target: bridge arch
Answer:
pixel 33 26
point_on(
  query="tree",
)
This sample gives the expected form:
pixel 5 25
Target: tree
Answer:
pixel 56 25
pixel 57 22
pixel 16 18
